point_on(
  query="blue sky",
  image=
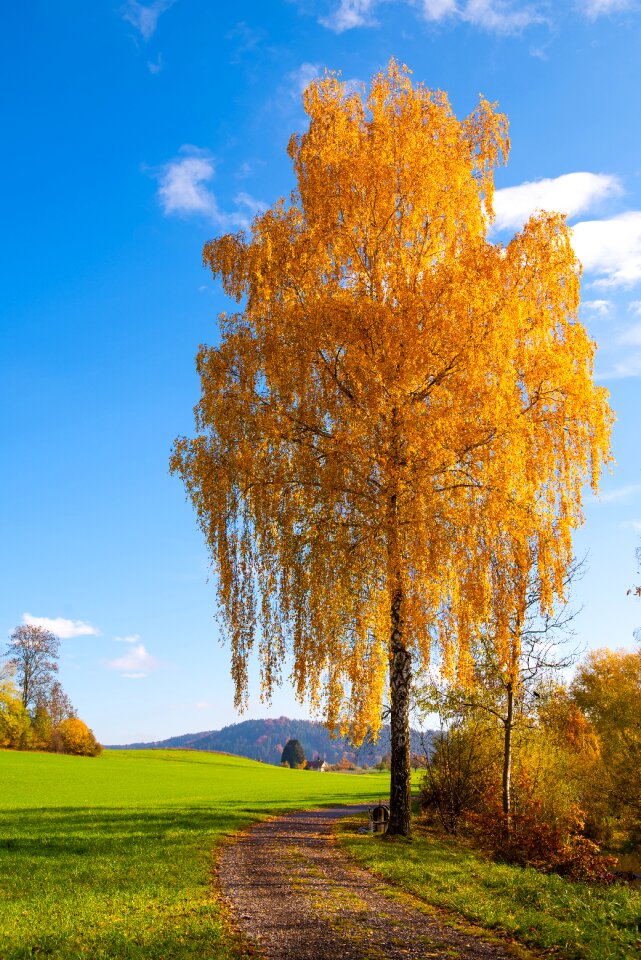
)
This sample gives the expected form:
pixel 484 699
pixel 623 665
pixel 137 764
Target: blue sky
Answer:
pixel 135 132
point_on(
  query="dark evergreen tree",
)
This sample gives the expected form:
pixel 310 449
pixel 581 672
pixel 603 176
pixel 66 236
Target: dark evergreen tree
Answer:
pixel 293 754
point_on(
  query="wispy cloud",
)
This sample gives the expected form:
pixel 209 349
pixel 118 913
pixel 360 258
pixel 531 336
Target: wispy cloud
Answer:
pixel 597 8
pixel 635 307
pixel 300 78
pixel 251 204
pixel 631 337
pixel 130 638
pixel 600 307
pixel 496 16
pixel 611 248
pixel 244 170
pixel 244 39
pixel 135 664
pixel 628 366
pixel 144 17
pixel 499 16
pixel 155 66
pixel 63 628
pixel 621 493
pixel 571 193
pixel 184 190
pixel 438 9
pixel 350 14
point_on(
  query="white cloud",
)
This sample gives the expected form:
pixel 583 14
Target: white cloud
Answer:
pixel 629 366
pixel 65 629
pixel 182 186
pixel 155 66
pixel 350 14
pixel 622 493
pixel 571 193
pixel 183 190
pixel 595 8
pixel 300 78
pixel 251 204
pixel 145 18
pixel 499 16
pixel 602 307
pixel 244 170
pixel 635 307
pixel 438 9
pixel 611 248
pixel 135 664
pixel 130 638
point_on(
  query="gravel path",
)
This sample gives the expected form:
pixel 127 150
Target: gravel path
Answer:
pixel 296 896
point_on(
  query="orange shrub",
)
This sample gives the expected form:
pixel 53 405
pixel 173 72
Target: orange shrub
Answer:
pixel 533 841
pixel 76 737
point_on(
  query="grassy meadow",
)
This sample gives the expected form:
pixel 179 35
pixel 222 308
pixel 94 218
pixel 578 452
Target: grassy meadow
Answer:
pixel 111 857
pixel 575 921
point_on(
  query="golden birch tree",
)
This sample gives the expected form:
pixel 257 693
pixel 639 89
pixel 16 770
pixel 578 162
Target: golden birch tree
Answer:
pixel 400 416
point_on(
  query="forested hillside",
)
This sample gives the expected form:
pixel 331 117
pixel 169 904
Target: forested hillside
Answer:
pixel 264 740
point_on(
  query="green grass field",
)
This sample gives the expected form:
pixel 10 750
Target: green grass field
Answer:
pixel 575 921
pixel 111 857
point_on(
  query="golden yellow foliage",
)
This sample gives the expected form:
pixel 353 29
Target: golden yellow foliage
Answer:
pixel 402 416
pixel 76 737
pixel 607 687
pixel 15 723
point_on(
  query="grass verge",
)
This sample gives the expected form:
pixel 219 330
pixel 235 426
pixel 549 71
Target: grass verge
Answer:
pixel 571 920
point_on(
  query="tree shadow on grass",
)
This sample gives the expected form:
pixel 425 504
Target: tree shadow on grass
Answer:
pixel 117 882
pixel 112 882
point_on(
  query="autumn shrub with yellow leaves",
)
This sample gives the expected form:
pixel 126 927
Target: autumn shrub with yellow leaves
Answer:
pixel 554 823
pixel 76 737
pixel 15 723
pixel 52 726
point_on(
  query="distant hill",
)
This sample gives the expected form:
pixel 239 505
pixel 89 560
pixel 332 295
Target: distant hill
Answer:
pixel 264 740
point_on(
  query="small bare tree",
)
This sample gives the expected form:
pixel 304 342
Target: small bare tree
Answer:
pixel 55 701
pixel 33 653
pixel 510 691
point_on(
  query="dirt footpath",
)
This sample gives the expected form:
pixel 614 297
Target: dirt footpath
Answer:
pixel 296 896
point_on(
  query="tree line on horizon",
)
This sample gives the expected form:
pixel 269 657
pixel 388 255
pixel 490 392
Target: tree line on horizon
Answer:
pixel 35 711
pixel 264 740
